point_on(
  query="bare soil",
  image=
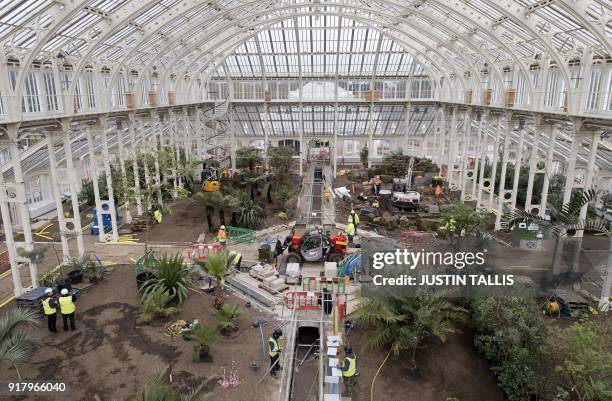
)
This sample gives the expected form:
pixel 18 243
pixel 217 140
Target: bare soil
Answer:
pixel 449 370
pixel 183 225
pixel 110 355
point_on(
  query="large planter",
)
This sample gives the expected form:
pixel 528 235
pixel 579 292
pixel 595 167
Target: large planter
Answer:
pixel 75 276
pixel 142 278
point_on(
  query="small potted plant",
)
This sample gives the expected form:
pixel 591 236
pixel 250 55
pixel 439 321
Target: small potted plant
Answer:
pixel 227 315
pixel 204 336
pixel 77 265
pixel 92 271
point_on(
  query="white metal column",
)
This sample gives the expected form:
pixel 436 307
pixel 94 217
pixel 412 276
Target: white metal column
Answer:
pixel 109 179
pixel 94 178
pixel 55 186
pixel 74 188
pixel 9 238
pixel 22 204
pixel 548 168
pixel 484 149
pixel 504 195
pixel 135 154
pixel 495 159
pixel 452 150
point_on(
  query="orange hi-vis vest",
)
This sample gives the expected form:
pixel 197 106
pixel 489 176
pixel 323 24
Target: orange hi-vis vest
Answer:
pixel 221 236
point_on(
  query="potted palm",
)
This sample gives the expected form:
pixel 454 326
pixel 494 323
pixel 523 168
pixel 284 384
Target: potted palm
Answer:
pixel 204 336
pixel 216 265
pixel 227 316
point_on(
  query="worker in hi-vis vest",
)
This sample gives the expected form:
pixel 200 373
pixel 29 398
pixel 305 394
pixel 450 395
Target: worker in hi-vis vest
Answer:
pixel 350 232
pixel 50 308
pixel 222 237
pixel 67 309
pixel 349 371
pixel 274 350
pixel 354 218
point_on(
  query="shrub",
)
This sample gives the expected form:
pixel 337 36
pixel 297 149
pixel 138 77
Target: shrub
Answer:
pixel 510 333
pixel 250 215
pixel 154 305
pixel 584 359
pixel 172 275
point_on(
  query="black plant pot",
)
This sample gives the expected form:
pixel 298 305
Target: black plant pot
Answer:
pixel 93 279
pixel 203 354
pixel 75 276
pixel 142 278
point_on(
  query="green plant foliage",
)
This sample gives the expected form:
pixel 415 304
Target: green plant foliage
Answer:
pixel 364 155
pixel 510 333
pixel 286 197
pixel 204 335
pixel 210 201
pixel 459 222
pixel 50 278
pixel 217 265
pixel 402 320
pixel 280 160
pixel 34 256
pixel 154 305
pixel 248 157
pixel 156 389
pixel 16 344
pixel 252 179
pixel 250 215
pixel 170 275
pixel 227 315
pixel 584 359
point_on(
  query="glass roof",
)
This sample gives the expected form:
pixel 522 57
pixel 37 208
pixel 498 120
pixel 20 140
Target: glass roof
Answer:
pixel 187 35
pixel 349 120
pixel 318 46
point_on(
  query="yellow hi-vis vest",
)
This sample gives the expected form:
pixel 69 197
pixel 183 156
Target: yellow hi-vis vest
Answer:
pixel 66 305
pixel 221 236
pixel 274 347
pixel 350 229
pixel 158 216
pixel 353 218
pixel 352 366
pixel 47 307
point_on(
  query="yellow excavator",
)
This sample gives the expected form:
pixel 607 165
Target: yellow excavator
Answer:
pixel 212 182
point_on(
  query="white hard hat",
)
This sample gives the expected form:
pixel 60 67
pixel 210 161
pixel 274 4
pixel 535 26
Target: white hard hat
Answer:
pixel 352 211
pixel 49 291
pixel 223 227
pixel 64 291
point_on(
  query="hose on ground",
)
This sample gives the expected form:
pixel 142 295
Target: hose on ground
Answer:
pixel 376 375
pixel 174 327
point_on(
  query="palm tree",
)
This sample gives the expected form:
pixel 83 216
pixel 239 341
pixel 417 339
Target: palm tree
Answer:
pixel 227 315
pixel 248 157
pixel 156 389
pixel 209 202
pixel 229 203
pixel 216 265
pixel 401 321
pixel 564 222
pixel 15 344
pixel 252 178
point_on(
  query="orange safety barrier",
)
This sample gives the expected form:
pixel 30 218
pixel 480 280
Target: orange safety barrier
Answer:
pixel 201 251
pixel 303 300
